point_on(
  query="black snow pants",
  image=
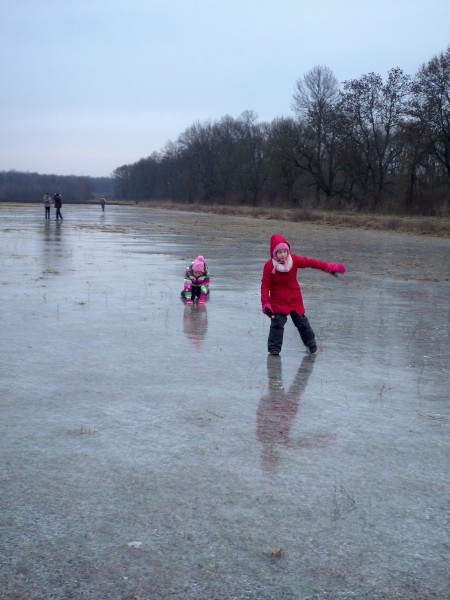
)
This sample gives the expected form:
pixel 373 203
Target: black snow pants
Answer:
pixel 276 332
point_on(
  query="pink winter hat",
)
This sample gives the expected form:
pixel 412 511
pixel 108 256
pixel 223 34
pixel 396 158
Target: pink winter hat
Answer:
pixel 281 246
pixel 198 264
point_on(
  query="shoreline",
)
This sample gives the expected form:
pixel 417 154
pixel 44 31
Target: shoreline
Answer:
pixel 416 225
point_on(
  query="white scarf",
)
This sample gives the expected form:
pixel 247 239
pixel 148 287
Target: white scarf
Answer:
pixel 283 267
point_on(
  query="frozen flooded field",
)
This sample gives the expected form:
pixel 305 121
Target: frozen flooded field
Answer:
pixel 153 451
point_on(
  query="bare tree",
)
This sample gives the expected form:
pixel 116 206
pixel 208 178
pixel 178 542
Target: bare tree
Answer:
pixel 315 93
pixel 282 158
pixel 314 102
pixel 374 114
pixel 253 157
pixel 430 112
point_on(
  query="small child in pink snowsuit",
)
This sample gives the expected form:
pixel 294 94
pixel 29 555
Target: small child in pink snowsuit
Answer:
pixel 196 282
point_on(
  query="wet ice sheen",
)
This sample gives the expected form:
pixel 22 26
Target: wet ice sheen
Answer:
pixel 153 450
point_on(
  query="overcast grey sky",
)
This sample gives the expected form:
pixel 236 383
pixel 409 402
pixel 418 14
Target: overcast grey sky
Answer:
pixel 90 85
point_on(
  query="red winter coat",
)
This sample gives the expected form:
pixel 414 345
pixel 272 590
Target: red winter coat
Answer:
pixel 281 290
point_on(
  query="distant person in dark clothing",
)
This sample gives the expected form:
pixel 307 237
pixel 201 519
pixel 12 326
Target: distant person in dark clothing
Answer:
pixel 57 201
pixel 47 199
pixel 103 202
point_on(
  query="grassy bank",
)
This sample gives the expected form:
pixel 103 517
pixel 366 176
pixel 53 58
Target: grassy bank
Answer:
pixel 433 226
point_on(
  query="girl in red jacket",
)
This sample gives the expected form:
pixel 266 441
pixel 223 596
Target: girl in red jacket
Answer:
pixel 281 295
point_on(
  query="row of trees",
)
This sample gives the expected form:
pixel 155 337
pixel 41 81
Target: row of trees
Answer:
pixel 368 145
pixel 16 186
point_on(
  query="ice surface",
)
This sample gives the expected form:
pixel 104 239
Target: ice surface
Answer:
pixel 151 450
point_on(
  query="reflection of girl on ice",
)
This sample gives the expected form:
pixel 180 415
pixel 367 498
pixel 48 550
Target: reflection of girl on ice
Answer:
pixel 195 325
pixel 196 282
pixel 277 409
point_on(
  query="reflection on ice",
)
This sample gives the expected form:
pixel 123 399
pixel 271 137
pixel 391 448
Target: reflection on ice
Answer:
pixel 195 324
pixel 278 409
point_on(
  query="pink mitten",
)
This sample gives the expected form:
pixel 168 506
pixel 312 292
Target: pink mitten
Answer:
pixel 335 268
pixel 267 310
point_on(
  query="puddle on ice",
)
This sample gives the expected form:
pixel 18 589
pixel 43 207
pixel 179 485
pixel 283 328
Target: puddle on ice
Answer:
pixel 153 450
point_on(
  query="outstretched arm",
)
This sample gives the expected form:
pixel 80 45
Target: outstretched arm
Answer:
pixel 304 262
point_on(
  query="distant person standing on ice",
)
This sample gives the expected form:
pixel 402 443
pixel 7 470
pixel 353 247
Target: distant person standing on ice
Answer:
pixel 281 295
pixel 103 202
pixel 47 199
pixel 57 201
pixel 196 281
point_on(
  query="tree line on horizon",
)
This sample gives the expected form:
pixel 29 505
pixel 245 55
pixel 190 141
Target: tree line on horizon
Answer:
pixel 18 186
pixel 371 145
